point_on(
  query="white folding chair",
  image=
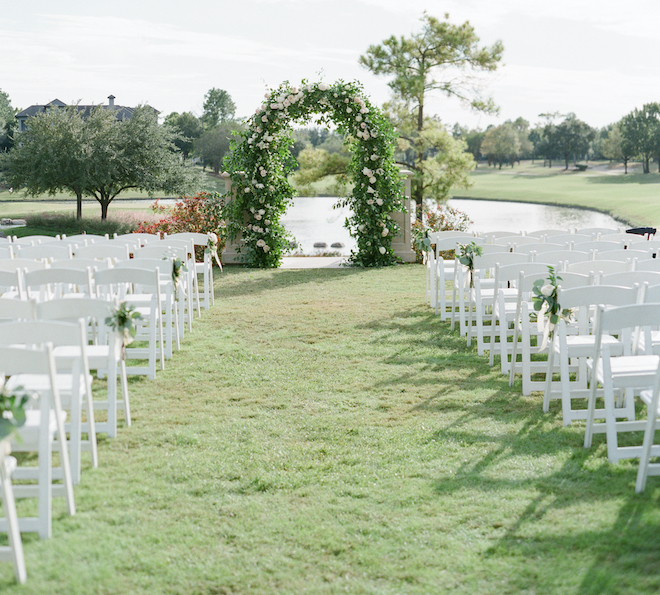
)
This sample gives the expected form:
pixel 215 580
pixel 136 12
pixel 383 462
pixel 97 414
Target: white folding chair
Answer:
pixel 172 298
pixel 51 283
pixel 547 233
pixel 102 252
pixel 14 551
pixel 598 231
pixel 48 251
pixel 12 284
pixel 205 267
pixel 621 376
pixel 169 251
pixel 121 284
pixel 574 343
pixel 42 426
pixel 104 352
pixel 74 382
pixel 16 309
pixel 630 278
pixel 597 268
pixel 650 449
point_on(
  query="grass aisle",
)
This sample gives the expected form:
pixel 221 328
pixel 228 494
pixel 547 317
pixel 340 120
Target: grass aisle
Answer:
pixel 322 432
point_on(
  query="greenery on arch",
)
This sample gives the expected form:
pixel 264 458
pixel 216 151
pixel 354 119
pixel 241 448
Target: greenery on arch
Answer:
pixel 261 161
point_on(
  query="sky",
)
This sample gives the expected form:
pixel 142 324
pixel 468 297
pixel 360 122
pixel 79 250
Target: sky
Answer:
pixel 595 58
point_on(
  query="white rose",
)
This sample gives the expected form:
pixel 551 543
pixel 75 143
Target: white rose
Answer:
pixel 382 250
pixel 370 190
pixel 323 87
pixel 379 202
pixel 260 243
pixel 264 118
pixel 374 157
pixel 262 212
pixel 266 248
pixel 348 110
pixel 257 217
pixel 372 180
pixel 367 172
pixel 246 190
pixel 547 289
pixel 358 118
pixel 370 201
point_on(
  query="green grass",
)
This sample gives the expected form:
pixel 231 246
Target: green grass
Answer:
pixel 632 198
pixel 322 432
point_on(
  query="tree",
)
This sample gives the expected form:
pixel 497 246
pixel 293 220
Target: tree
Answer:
pixel 187 127
pixel 573 137
pixel 7 122
pixel 501 143
pixel 97 155
pixel 218 108
pixel 640 130
pixel 51 156
pixel 316 164
pixel 213 144
pixel 442 57
pixel 615 147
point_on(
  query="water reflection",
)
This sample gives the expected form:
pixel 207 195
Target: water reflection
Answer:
pixel 313 220
pixel 493 215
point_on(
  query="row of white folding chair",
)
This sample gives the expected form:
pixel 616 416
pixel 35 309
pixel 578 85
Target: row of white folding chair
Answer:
pixel 103 352
pixel 440 271
pixel 622 376
pixel 13 552
pixel 42 432
pixel 205 266
pixel 574 342
pixel 529 335
pixel 74 381
pixel 141 288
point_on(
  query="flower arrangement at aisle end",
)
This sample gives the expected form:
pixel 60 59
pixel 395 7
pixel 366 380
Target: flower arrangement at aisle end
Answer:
pixel 261 161
pixel 123 320
pixel 212 248
pixel 12 409
pixel 465 254
pixel 547 307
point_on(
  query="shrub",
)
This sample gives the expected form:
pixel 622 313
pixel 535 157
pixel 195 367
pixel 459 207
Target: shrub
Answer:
pixel 442 218
pixel 66 223
pixel 201 213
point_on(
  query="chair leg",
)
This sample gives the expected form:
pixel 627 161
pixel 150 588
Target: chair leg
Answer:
pixel 13 531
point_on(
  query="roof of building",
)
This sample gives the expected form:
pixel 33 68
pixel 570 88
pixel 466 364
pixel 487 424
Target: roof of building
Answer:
pixel 122 112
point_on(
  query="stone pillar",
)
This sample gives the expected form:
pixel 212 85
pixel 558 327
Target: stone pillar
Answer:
pixel 402 242
pixel 230 254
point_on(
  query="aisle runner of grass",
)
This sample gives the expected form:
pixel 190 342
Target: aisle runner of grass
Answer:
pixel 322 432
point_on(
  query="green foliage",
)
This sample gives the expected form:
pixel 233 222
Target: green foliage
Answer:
pixel 123 320
pixel 201 213
pixel 7 122
pixel 66 223
pixel 545 296
pixel 466 254
pixel 218 107
pixel 442 57
pixel 316 164
pixel 178 266
pixel 12 409
pixel 97 155
pixel 260 164
pixel 440 47
pixel 507 142
pixel 640 131
pixel 572 138
pixel 187 128
pixel 214 144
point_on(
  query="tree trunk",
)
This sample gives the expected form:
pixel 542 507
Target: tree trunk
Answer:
pixel 78 206
pixel 625 166
pixel 104 208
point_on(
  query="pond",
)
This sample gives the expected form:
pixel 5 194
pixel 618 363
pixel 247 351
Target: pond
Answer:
pixel 495 215
pixel 313 220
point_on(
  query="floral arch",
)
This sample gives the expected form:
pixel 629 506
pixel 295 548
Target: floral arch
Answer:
pixel 260 162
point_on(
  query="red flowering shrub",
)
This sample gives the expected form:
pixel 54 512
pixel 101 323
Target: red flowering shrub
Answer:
pixel 201 213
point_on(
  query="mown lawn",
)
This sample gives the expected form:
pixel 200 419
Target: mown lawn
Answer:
pixel 322 432
pixel 633 197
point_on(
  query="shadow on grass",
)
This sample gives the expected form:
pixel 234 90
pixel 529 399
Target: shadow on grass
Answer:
pixel 512 430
